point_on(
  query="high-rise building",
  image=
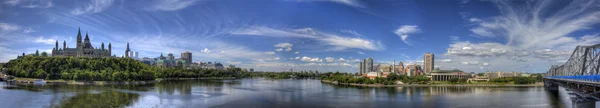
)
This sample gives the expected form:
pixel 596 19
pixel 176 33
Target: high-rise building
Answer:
pixel 429 62
pixel 187 56
pixel 369 64
pixel 361 68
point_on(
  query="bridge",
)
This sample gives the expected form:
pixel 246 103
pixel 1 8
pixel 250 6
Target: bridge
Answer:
pixel 579 76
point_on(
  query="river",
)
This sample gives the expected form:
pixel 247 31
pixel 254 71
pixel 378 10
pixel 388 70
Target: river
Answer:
pixel 250 93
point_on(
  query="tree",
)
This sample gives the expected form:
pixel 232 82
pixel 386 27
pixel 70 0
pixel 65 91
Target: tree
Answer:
pixel 44 54
pixel 480 74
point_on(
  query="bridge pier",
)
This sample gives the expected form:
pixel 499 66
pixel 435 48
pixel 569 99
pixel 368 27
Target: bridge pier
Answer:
pixel 550 86
pixel 585 104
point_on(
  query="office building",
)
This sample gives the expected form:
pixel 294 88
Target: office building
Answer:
pixel 428 60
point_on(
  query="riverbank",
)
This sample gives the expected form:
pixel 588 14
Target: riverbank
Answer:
pixel 28 81
pixel 435 85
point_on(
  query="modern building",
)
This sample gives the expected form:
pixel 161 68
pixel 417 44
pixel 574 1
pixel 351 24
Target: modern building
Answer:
pixel 361 68
pixel 369 65
pixel 446 75
pixel 83 49
pixel 428 64
pixel 187 56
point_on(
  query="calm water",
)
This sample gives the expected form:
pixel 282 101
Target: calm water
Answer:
pixel 246 93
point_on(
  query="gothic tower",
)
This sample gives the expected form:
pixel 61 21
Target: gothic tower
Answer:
pixel 79 44
pixel 109 49
pixel 64 45
pixel 127 50
pixel 56 47
pixel 79 38
pixel 102 45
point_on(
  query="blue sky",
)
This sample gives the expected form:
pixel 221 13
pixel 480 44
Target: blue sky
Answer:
pixel 324 35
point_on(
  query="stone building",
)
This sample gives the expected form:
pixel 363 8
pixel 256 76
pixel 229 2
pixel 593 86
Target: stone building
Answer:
pixel 83 49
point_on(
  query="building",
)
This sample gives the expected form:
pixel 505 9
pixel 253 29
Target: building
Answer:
pixel 361 68
pixel 187 56
pixel 210 65
pixel 446 75
pixel 127 51
pixel 413 70
pixel 428 64
pixel 400 68
pixel 369 65
pixel 83 49
pixel 501 74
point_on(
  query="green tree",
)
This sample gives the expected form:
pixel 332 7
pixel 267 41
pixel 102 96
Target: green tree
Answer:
pixel 44 54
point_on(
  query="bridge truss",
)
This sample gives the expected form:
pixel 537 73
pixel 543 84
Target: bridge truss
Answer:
pixel 585 60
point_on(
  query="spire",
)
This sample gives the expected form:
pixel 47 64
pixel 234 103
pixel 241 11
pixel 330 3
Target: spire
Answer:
pixel 79 32
pixel 86 36
pixel 102 45
pixel 127 46
pixel 56 44
pixel 64 44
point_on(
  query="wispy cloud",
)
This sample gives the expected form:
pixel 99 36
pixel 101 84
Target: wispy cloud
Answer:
pixel 94 6
pixel 352 3
pixel 525 25
pixel 9 27
pixel 338 42
pixel 405 30
pixel 171 5
pixel 30 3
pixel 534 33
pixel 43 40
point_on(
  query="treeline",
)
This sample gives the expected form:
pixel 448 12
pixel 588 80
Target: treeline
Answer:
pixel 102 69
pixel 389 80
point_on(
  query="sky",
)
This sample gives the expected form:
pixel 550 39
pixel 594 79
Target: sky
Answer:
pixel 324 35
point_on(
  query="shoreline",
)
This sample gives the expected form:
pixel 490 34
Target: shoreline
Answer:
pixel 30 81
pixel 435 85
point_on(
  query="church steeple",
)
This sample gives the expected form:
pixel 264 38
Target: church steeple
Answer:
pixel 64 44
pixel 86 37
pixel 127 50
pixel 102 45
pixel 79 44
pixel 56 47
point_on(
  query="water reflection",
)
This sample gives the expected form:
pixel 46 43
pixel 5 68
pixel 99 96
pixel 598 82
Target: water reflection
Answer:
pixel 245 93
pixel 107 99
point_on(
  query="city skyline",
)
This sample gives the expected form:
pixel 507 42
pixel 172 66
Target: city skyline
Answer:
pixel 473 36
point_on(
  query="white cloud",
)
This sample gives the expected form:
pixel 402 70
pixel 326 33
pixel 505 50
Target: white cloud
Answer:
pixel 277 58
pixel 447 60
pixel 356 60
pixel 329 59
pixel 296 52
pixel 270 53
pixel 8 27
pixel 352 3
pixel 297 58
pixel 338 42
pixel 28 30
pixel 405 30
pixel 342 60
pixel 535 25
pixel 205 50
pixel 535 33
pixel 309 59
pixel 94 6
pixel 352 32
pixel 171 5
pixel 361 53
pixel 281 46
pixel 48 41
pixel 30 3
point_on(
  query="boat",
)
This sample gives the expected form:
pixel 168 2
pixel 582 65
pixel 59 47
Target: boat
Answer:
pixel 39 82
